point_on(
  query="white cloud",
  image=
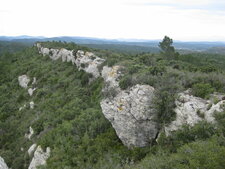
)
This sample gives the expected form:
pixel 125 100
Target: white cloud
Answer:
pixel 111 19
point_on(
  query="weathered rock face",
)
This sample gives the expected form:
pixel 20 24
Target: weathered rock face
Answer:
pixel 111 76
pixel 129 111
pixel 131 115
pixel 39 158
pixel 86 61
pixel 190 110
pixel 3 164
pixel 23 81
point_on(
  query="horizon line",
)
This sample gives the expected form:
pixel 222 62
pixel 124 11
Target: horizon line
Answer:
pixel 109 39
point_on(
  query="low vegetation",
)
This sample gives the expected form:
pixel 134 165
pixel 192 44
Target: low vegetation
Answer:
pixel 68 118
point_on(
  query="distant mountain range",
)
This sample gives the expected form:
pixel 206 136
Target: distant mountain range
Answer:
pixel 124 45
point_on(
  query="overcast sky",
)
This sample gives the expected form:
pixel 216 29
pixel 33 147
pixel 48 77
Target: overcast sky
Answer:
pixel 187 20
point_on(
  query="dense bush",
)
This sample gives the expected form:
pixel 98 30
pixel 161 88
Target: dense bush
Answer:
pixel 68 118
pixel 125 82
pixel 202 90
pixel 200 154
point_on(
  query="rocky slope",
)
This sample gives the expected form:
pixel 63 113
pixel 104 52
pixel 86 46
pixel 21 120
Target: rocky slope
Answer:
pixel 130 111
pixel 39 156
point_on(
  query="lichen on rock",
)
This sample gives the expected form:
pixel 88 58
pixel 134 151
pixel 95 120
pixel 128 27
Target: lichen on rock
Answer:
pixel 132 116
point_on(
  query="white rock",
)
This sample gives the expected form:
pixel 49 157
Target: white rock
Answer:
pixel 45 51
pixel 23 81
pixel 218 107
pixel 85 61
pixel 189 107
pixel 31 105
pixel 34 81
pixel 111 75
pixel 88 62
pixel 31 149
pixel 132 116
pixel 39 158
pixel 3 164
pixel 30 134
pixel 31 91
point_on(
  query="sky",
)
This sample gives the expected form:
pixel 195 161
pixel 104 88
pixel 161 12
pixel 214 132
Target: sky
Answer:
pixel 185 20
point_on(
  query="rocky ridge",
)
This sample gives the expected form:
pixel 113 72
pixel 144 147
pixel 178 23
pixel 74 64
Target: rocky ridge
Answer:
pixel 130 111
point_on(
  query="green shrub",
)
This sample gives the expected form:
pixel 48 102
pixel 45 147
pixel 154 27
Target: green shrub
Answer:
pixel 202 90
pixel 125 82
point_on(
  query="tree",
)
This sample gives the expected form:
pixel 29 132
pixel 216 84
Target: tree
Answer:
pixel 167 48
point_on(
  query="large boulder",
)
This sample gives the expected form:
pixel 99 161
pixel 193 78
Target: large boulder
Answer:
pixel 131 115
pixel 3 164
pixel 39 158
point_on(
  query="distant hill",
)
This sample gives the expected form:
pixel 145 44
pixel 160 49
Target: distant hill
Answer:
pixel 124 45
pixel 217 50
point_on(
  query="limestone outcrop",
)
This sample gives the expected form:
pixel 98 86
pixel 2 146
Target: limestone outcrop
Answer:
pixel 131 115
pixel 129 111
pixel 3 165
pixel 190 110
pixel 31 149
pixel 39 158
pixel 23 81
pixel 86 61
pixel 111 76
pixel 31 91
